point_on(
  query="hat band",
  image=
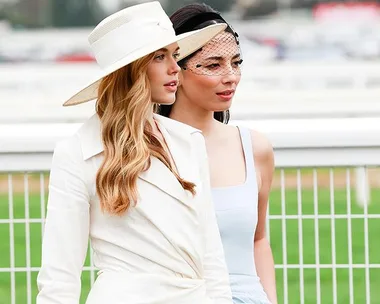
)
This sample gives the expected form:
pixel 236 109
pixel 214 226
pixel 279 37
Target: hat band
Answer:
pixel 128 38
pixel 193 22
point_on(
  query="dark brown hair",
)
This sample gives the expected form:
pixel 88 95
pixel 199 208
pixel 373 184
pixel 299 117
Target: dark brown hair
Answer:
pixel 194 17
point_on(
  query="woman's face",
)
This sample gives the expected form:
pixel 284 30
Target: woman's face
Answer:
pixel 163 74
pixel 209 78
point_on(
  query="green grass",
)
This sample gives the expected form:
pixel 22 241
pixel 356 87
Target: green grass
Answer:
pixel 293 255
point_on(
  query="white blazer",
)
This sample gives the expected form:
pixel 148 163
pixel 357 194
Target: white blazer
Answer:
pixel 166 250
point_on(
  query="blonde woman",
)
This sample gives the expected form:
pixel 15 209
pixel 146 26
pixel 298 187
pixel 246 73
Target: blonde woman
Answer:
pixel 134 183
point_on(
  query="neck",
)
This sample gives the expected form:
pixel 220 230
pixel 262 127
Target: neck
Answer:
pixel 184 111
pixel 153 124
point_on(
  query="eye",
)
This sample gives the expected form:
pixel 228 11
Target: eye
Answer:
pixel 160 57
pixel 176 55
pixel 239 62
pixel 212 65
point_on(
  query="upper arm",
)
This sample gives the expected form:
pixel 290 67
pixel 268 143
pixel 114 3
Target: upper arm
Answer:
pixel 264 163
pixel 66 229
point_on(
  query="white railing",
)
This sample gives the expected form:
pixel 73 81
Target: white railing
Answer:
pixel 323 232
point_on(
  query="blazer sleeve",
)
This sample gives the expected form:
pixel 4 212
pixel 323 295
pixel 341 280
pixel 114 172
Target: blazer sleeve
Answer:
pixel 65 239
pixel 215 268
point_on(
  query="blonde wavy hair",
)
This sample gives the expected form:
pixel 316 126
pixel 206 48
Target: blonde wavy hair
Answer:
pixel 125 109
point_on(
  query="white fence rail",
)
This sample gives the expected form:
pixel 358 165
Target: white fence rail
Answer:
pixel 325 243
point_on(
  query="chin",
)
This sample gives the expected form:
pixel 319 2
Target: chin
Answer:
pixel 165 101
pixel 223 107
pixel 168 101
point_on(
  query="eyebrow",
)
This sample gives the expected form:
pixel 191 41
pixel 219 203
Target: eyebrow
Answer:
pixel 221 57
pixel 166 50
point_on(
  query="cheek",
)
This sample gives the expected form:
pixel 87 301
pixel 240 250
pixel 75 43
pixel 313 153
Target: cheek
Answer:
pixel 204 84
pixel 155 85
pixel 154 74
pixel 238 78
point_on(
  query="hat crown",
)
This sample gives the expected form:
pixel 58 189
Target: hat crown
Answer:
pixel 129 30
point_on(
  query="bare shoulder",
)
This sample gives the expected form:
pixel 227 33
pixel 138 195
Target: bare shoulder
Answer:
pixel 262 149
pixel 225 132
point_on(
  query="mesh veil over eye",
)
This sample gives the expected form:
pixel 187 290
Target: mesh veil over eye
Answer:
pixel 221 56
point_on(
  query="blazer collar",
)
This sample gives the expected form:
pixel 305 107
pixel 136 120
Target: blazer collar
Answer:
pixel 91 136
pixel 178 138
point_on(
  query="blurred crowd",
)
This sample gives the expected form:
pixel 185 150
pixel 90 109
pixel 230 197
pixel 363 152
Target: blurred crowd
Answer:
pixel 321 32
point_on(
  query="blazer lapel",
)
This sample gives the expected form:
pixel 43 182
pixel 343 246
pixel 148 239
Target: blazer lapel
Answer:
pixel 181 151
pixel 178 138
pixel 161 177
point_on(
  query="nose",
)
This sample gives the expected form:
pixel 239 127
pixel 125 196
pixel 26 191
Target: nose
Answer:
pixel 231 74
pixel 231 77
pixel 173 67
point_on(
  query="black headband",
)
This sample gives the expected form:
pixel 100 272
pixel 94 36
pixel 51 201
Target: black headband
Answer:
pixel 196 20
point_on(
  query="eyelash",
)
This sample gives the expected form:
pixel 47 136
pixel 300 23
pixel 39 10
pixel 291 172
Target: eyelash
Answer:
pixel 215 65
pixel 212 66
pixel 162 56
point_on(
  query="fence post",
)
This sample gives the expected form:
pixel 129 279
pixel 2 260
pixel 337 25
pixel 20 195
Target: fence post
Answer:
pixel 362 187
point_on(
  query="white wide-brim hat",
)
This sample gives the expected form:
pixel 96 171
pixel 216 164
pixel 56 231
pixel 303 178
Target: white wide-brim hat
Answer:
pixel 133 33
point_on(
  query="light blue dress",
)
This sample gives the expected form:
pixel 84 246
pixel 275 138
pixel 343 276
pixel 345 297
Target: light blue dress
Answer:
pixel 237 209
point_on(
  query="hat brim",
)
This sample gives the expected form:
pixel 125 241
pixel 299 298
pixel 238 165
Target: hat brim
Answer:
pixel 187 42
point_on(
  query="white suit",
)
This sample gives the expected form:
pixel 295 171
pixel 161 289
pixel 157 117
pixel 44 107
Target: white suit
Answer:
pixel 166 250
